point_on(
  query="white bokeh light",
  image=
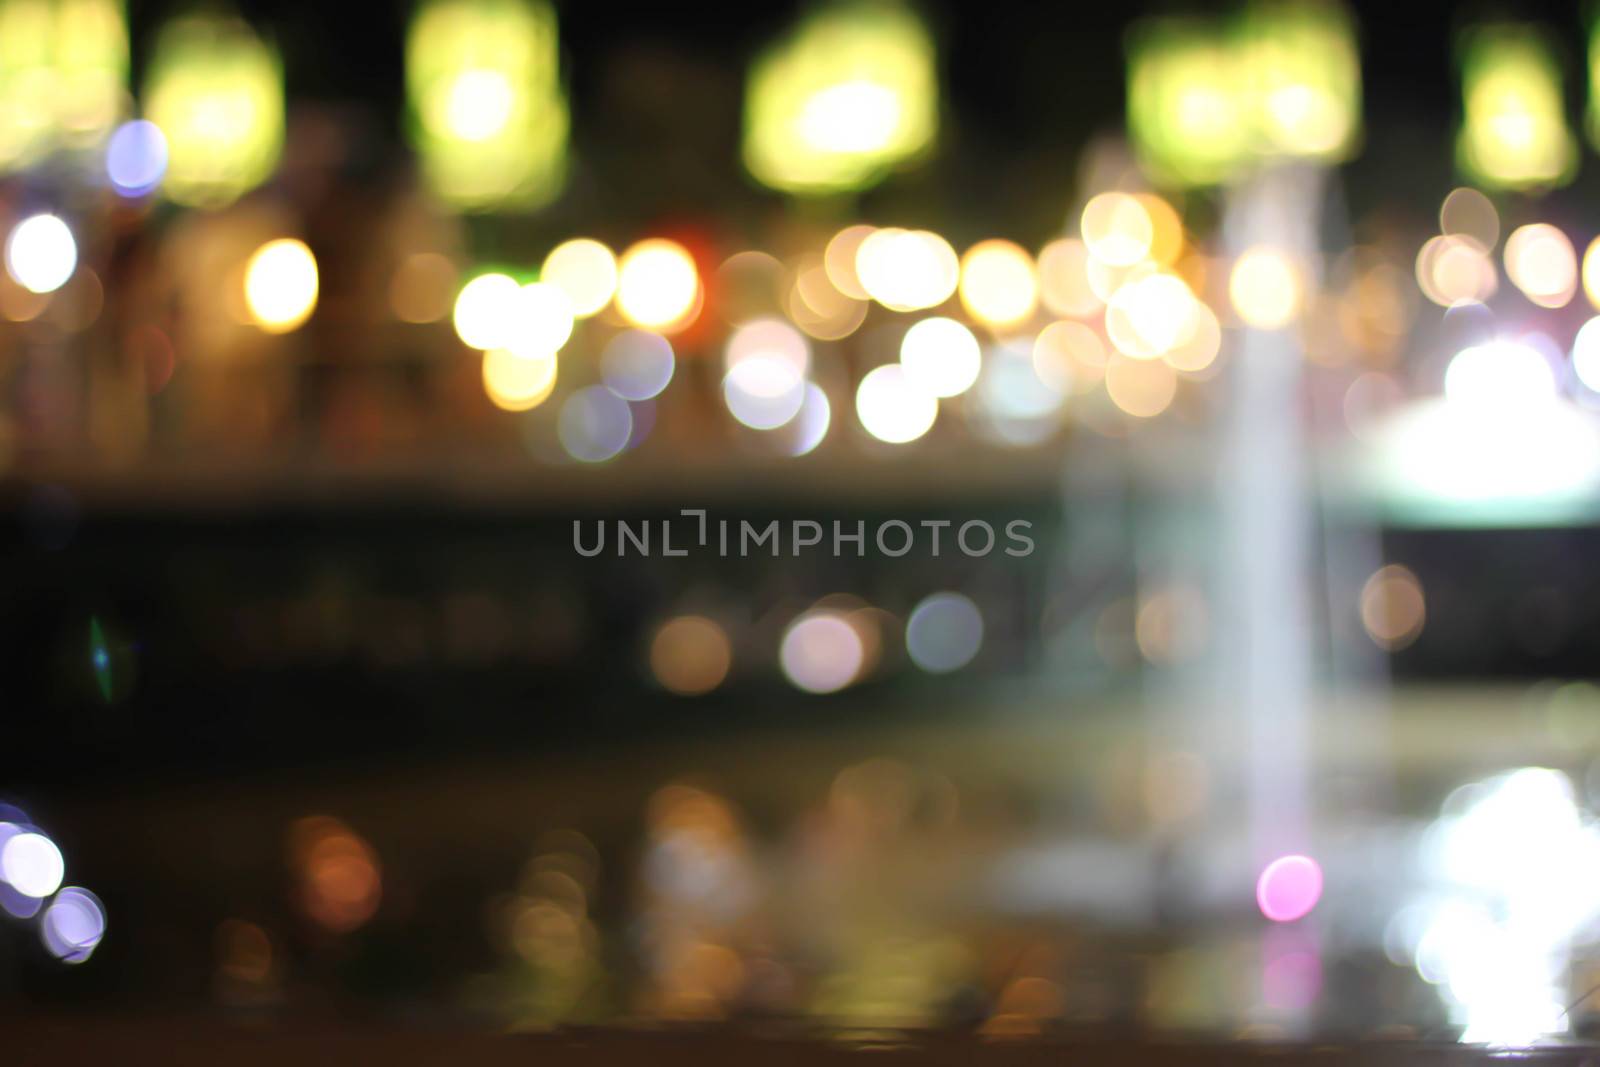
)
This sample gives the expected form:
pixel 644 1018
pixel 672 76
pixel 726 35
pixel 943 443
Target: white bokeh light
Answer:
pixel 41 253
pixel 31 864
pixel 894 408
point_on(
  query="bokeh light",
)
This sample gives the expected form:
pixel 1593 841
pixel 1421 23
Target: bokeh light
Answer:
pixel 1393 607
pixel 136 158
pixel 1188 111
pixel 1151 316
pixel 1289 888
pixel 586 271
pixel 849 93
pixel 690 655
pixel 658 287
pixel 516 382
pixel 1466 212
pixel 215 89
pixel 1499 375
pixel 941 355
pixel 486 311
pixel 810 426
pixel 1117 229
pixel 1541 262
pixel 63 76
pixel 1455 269
pixel 73 925
pixel 767 361
pixel 944 632
pixel 1265 288
pixel 1586 355
pixel 998 285
pixel 1064 279
pixel 893 407
pixel 1069 357
pixel 821 652
pixel 41 253
pixel 339 883
pixel 1143 388
pixel 280 285
pixel 1015 406
pixel 542 320
pixel 907 270
pixel 839 260
pixel 595 424
pixel 488 108
pixel 1514 129
pixel 31 864
pixel 637 365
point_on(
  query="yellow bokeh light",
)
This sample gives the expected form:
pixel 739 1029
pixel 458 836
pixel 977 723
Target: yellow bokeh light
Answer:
pixel 839 260
pixel 1265 288
pixel 998 285
pixel 586 271
pixel 487 106
pixel 1118 229
pixel 1541 262
pixel 1200 349
pixel 1454 269
pixel 1166 229
pixel 518 383
pixel 1591 272
pixel 658 287
pixel 1514 129
pixel 907 270
pixel 216 91
pixel 850 93
pixel 63 73
pixel 1069 357
pixel 817 306
pixel 486 311
pixel 1149 317
pixel 1143 388
pixel 280 285
pixel 1064 278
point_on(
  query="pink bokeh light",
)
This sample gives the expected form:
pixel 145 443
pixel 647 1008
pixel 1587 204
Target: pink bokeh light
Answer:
pixel 1289 887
